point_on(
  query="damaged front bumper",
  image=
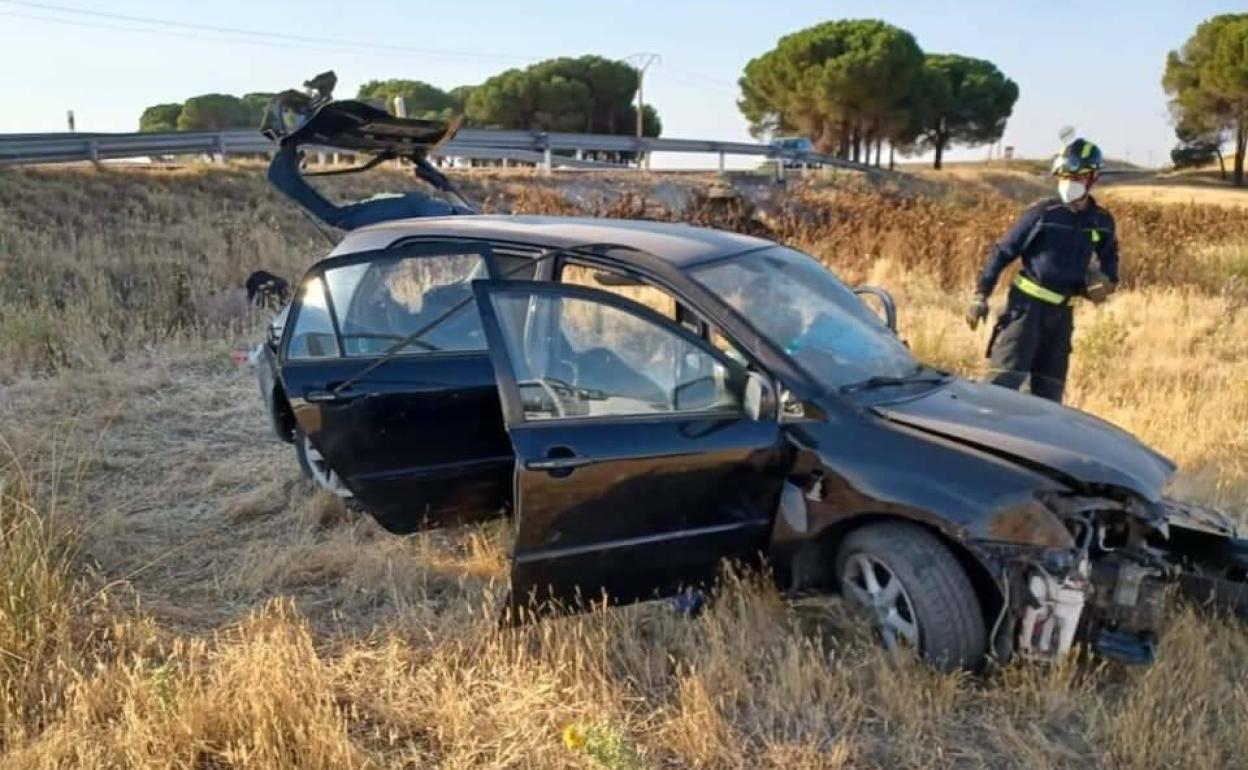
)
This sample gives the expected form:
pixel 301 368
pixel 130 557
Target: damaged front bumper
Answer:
pixel 1108 589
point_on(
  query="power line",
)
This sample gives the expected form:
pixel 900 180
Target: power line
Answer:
pixel 237 34
pixel 182 35
pixel 120 22
pixel 704 79
pixel 701 85
pixel 268 37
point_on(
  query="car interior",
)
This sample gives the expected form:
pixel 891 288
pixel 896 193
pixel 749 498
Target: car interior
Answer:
pixel 394 299
pixel 576 357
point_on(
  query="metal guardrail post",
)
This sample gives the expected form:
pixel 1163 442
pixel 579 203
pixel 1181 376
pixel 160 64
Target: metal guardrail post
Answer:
pixel 721 162
pixel 542 143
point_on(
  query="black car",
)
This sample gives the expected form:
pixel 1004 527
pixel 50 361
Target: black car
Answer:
pixel 647 400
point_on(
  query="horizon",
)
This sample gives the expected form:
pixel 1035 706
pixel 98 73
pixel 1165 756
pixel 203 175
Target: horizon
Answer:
pixel 1111 93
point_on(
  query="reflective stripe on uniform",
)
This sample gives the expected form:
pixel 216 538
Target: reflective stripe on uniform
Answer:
pixel 1087 150
pixel 1036 291
pixel 1096 236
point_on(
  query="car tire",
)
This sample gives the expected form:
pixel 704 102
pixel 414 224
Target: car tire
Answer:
pixel 916 592
pixel 315 467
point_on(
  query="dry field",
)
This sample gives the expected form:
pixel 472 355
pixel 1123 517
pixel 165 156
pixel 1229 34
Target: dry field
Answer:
pixel 173 595
pixel 1177 193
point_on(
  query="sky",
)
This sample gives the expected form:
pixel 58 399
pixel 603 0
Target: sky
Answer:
pixel 1094 66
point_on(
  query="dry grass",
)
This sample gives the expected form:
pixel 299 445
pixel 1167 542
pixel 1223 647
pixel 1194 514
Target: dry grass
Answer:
pixel 171 595
pixel 1178 193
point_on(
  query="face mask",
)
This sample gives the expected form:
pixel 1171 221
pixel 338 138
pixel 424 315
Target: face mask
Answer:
pixel 1070 190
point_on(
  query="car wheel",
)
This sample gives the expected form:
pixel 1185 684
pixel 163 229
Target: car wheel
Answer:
pixel 316 467
pixel 915 592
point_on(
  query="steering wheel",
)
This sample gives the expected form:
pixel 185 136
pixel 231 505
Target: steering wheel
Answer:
pixel 551 392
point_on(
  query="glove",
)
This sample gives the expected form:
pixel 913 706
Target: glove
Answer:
pixel 1099 286
pixel 976 310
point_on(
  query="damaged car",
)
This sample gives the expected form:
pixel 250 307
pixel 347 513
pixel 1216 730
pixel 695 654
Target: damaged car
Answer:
pixel 647 400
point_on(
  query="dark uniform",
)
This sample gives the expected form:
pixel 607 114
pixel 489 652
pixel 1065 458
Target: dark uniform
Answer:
pixel 1031 338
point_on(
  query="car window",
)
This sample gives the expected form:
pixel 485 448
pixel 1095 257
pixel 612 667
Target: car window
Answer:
pixel 620 284
pixel 515 266
pixel 804 310
pixel 658 300
pixel 313 335
pixel 385 300
pixel 575 357
pixel 727 347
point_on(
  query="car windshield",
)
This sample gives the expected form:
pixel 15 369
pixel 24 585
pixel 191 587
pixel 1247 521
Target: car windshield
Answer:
pixel 804 310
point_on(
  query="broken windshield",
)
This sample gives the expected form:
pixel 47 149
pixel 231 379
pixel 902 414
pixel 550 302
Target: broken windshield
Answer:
pixel 802 309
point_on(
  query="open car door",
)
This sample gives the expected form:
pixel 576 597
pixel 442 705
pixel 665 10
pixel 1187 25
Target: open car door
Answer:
pixel 640 461
pixel 415 433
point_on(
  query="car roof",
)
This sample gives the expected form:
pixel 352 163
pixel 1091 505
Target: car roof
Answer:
pixel 680 245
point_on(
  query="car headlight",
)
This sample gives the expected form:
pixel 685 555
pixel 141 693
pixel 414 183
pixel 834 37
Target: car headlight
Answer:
pixel 1030 522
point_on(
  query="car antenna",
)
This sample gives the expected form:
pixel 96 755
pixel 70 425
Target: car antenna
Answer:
pixel 393 350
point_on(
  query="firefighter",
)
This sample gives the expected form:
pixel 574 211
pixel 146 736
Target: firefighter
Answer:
pixel 1068 249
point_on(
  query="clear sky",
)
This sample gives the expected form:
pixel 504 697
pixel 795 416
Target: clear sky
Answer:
pixel 1096 66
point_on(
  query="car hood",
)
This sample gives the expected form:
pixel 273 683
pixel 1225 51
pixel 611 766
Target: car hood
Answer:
pixel 1035 432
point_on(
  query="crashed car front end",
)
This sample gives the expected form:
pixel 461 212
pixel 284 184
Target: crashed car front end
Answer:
pixel 1090 557
pixel 1105 583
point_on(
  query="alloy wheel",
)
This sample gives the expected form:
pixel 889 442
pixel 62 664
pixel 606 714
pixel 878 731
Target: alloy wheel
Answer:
pixel 322 474
pixel 869 583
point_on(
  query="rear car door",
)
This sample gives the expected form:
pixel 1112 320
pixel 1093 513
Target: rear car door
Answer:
pixel 418 437
pixel 638 466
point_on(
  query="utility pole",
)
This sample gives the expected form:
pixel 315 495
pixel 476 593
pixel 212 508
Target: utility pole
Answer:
pixel 641 62
pixel 400 111
pixel 69 118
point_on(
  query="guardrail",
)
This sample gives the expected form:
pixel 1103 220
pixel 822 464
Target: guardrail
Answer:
pixel 544 148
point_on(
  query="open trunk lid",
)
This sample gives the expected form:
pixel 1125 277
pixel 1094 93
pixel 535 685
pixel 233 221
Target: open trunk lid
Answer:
pixel 360 127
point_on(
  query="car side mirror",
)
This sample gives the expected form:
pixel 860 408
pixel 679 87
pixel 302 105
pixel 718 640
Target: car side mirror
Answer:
pixel 695 394
pixel 760 397
pixel 886 303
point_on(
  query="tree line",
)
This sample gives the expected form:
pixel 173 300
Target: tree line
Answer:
pixel 206 112
pixel 851 86
pixel 586 94
pixel 848 85
pixel 855 84
pixel 1207 80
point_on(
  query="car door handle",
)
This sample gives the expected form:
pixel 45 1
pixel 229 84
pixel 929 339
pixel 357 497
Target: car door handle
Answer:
pixel 330 396
pixel 557 463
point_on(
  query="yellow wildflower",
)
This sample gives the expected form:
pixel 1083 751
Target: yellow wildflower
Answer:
pixel 574 737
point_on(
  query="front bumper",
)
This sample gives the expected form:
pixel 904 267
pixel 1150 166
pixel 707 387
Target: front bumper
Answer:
pixel 1108 591
pixel 1114 606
